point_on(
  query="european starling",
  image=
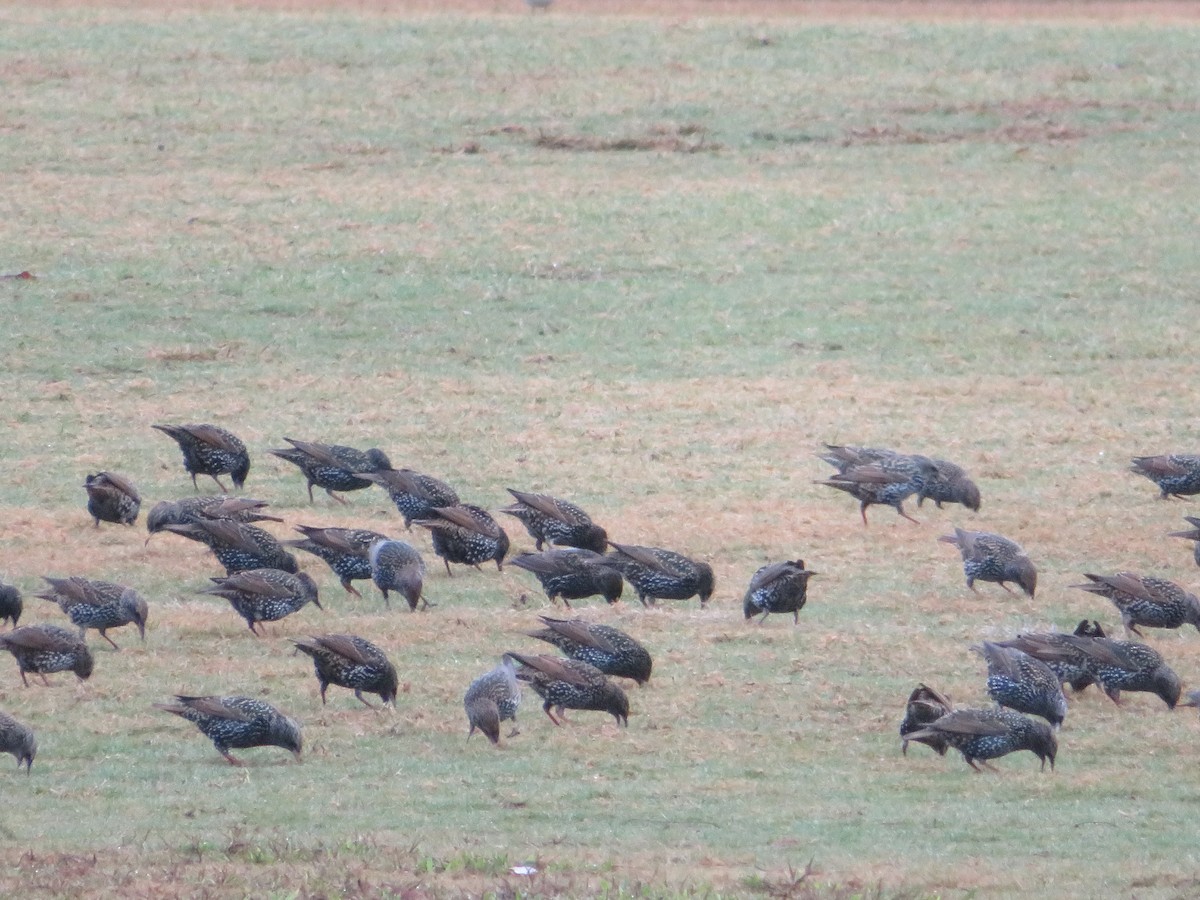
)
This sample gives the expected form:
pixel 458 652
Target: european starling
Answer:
pixel 18 740
pixel 1193 699
pixel 10 604
pixel 990 557
pixel 950 484
pixel 610 650
pixel 265 595
pixel 1021 682
pixel 572 574
pixel 846 456
pixel 572 684
pixel 554 521
pixel 416 495
pixel 925 705
pixel 397 566
pixel 112 498
pixel 97 604
pixel 1145 600
pixel 1049 647
pixel 1120 666
pixel 467 535
pixel 658 574
pixel 1192 534
pixel 343 549
pixel 983 734
pixel 777 588
pixel 351 662
pixel 493 697
pixel 1177 475
pixel 210 450
pixel 237 722
pixel 888 481
pixel 189 510
pixel 238 547
pixel 332 466
pixel 43 649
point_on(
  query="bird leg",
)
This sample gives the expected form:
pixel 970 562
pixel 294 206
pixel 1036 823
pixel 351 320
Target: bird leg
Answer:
pixel 341 500
pixel 764 616
pixel 862 509
pixel 45 680
pixel 351 588
pixel 358 694
pixel 546 710
pixel 448 572
pixel 1006 587
pixel 900 509
pixel 233 760
pixel 24 680
pixel 514 732
pixel 224 490
pixel 110 640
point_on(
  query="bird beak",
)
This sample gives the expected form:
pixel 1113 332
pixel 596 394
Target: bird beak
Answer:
pixel 317 604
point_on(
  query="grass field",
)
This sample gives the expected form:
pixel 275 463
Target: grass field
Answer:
pixel 647 259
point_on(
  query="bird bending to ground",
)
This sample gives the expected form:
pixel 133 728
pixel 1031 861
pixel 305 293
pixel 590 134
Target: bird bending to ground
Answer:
pixel 18 740
pixel 658 574
pixel 493 697
pixel 237 546
pixel 571 684
pixel 572 574
pixel 1023 683
pixel 467 535
pixel 332 466
pixel 351 662
pixel 265 595
pixel 777 588
pixel 1145 600
pixel 416 495
pixel 925 705
pixel 345 550
pixel 609 649
pixel 237 723
pixel 98 604
pixel 950 484
pixel 397 566
pixel 554 521
pixel 210 450
pixel 983 734
pixel 990 557
pixel 112 498
pixel 43 649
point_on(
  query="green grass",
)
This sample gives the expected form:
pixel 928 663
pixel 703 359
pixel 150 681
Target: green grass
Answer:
pixel 975 239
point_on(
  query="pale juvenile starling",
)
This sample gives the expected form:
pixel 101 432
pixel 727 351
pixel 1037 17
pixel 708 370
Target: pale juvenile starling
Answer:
pixel 572 574
pixel 925 705
pixel 10 604
pixel 112 498
pixel 950 484
pixel 990 557
pixel 344 550
pixel 609 649
pixel 97 604
pixel 43 649
pixel 780 587
pixel 658 574
pixel 397 566
pixel 554 521
pixel 1176 474
pixel 1145 600
pixel 467 535
pixel 493 697
pixel 265 595
pixel 237 546
pixel 983 734
pixel 18 740
pixel 332 466
pixel 238 722
pixel 210 450
pixel 1023 683
pixel 416 495
pixel 351 662
pixel 571 684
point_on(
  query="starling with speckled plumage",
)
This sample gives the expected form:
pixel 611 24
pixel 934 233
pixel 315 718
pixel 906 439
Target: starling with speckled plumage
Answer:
pixel 983 734
pixel 571 684
pixel 1049 648
pixel 265 595
pixel 1023 683
pixel 609 649
pixel 1122 666
pixel 18 740
pixel 344 550
pixel 1192 534
pixel 189 510
pixel 878 476
pixel 112 498
pixel 572 574
pixel 416 495
pixel 467 535
pixel 777 588
pixel 333 467
pixel 397 566
pixel 210 450
pixel 990 557
pixel 97 604
pixel 238 722
pixel 351 662
pixel 1145 600
pixel 43 649
pixel 493 697
pixel 1176 474
pixel 238 547
pixel 950 484
pixel 925 705
pixel 550 520
pixel 658 574
pixel 11 605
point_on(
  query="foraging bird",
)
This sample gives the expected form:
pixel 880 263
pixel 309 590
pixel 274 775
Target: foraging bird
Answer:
pixel 43 649
pixel 112 498
pixel 238 547
pixel 1145 600
pixel 97 604
pixel 925 706
pixel 983 734
pixel 887 481
pixel 1023 683
pixel 351 662
pixel 777 588
pixel 1193 699
pixel 10 604
pixel 1049 648
pixel 990 557
pixel 535 5
pixel 658 574
pixel 571 684
pixel 609 649
pixel 493 697
pixel 189 510
pixel 265 595
pixel 950 484
pixel 416 495
pixel 1121 666
pixel 18 740
pixel 572 574
pixel 1176 474
pixel 344 550
pixel 1192 534
pixel 210 450
pixel 237 722
pixel 332 466
pixel 554 521
pixel 397 566
pixel 467 535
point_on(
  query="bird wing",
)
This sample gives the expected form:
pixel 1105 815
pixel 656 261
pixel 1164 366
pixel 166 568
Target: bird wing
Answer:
pixel 578 631
pixel 213 436
pixel 643 556
pixel 333 538
pixel 553 667
pixel 924 694
pixel 1160 466
pixel 122 484
pixel 1000 660
pixel 230 533
pixel 212 706
pixel 34 638
pixel 873 473
pixel 343 645
pixel 467 519
pixel 322 453
pixel 968 721
pixel 545 504
pixel 232 506
pixel 251 582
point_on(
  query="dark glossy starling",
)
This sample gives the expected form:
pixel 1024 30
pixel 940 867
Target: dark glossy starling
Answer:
pixel 983 734
pixel 1192 534
pixel 98 604
pixel 397 566
pixel 345 550
pixel 658 574
pixel 1121 666
pixel 1177 475
pixel 238 722
pixel 925 705
pixel 1145 600
pixel 416 495
pixel 887 482
pixel 467 535
pixel 493 697
pixel 265 595
pixel 777 588
pixel 351 662
pixel 210 450
pixel 18 740
pixel 950 484
pixel 1048 647
pixel 571 684
pixel 189 510
pixel 572 574
pixel 43 649
pixel 554 521
pixel 990 557
pixel 10 604
pixel 610 650
pixel 112 498
pixel 1021 682
pixel 236 546
pixel 332 466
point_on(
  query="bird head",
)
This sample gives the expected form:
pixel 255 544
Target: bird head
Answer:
pixel 1167 685
pixel 484 714
pixel 706 583
pixel 965 491
pixel 239 474
pixel 593 538
pixel 611 584
pixel 1025 574
pixel 285 733
pixel 83 663
pixel 26 751
pixel 379 459
pixel 135 607
pixel 308 589
pixel 616 703
pixel 1044 744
